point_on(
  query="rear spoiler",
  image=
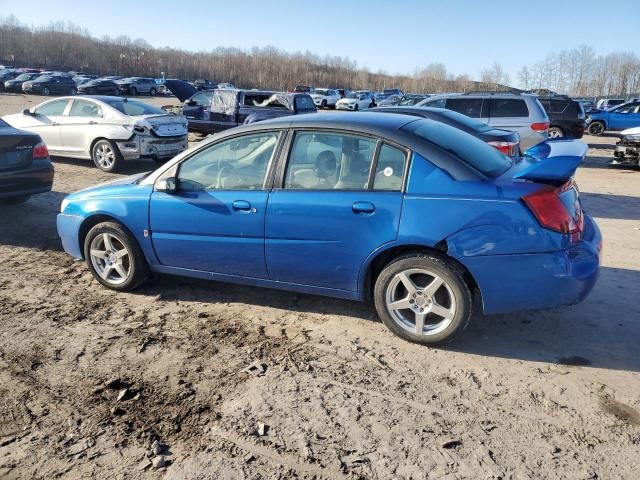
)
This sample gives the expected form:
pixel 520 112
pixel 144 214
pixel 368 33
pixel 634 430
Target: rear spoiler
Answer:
pixel 553 160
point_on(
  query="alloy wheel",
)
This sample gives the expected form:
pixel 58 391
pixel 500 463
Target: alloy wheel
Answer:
pixel 105 156
pixel 110 258
pixel 420 302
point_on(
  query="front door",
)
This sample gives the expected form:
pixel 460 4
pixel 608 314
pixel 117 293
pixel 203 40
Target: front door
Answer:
pixel 214 221
pixel 623 117
pixel 45 121
pixel 338 203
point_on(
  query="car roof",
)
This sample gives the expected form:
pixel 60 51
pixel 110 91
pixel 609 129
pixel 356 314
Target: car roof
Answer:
pixel 362 121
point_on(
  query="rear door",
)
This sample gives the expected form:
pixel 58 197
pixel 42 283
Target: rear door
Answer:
pixel 79 126
pixel 338 200
pixel 214 221
pixel 471 106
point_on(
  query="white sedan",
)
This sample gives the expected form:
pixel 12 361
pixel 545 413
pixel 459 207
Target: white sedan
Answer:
pixel 355 101
pixel 107 130
pixel 325 97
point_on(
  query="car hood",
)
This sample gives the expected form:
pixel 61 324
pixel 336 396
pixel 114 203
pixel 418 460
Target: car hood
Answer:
pixel 181 89
pixel 631 131
pixel 111 187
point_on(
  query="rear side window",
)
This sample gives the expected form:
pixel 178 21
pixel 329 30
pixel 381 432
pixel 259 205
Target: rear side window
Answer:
pixel 467 148
pixel 471 107
pixel 390 169
pixel 508 107
pixel 437 103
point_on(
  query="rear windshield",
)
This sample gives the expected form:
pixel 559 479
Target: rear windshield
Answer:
pixel 133 107
pixel 467 148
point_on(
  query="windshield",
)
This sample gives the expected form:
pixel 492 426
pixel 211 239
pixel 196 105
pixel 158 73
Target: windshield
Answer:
pixel 43 78
pixel 134 107
pixel 353 95
pixel 24 77
pixel 467 148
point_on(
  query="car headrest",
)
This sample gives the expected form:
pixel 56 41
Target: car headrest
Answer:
pixel 326 164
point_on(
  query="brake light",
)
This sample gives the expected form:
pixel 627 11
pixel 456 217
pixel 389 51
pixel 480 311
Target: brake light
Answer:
pixel 40 151
pixel 547 207
pixel 540 127
pixel 508 148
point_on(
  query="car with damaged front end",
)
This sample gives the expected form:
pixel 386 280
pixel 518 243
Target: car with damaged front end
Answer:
pixel 107 130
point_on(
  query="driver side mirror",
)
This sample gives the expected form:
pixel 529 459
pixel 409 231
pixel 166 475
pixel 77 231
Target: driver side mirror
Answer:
pixel 190 102
pixel 27 111
pixel 167 185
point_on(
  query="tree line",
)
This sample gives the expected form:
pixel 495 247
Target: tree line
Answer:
pixel 66 46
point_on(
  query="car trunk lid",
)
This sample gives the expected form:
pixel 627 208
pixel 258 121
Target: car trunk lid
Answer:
pixel 166 125
pixel 16 148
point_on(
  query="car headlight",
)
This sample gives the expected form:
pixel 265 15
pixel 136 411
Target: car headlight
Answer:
pixel 64 204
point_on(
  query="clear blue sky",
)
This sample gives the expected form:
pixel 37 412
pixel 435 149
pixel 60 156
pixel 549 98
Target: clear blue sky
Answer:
pixel 396 36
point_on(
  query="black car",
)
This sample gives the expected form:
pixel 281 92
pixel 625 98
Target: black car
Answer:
pixel 566 116
pixel 50 84
pixel 99 86
pixel 25 168
pixel 6 75
pixel 15 85
pixel 211 111
pixel 505 141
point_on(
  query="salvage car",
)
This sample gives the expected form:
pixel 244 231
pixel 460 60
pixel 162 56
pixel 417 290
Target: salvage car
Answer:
pixel 50 84
pixel 337 205
pixel 211 111
pixel 25 168
pixel 566 116
pixel 107 130
pixel 356 101
pixel 506 141
pixel 136 85
pixel 325 97
pixel 627 150
pixel 621 117
pixel 15 85
pixel 518 112
pixel 99 86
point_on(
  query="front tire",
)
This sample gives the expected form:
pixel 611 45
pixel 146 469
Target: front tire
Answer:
pixel 356 108
pixel 133 92
pixel 106 156
pixel 114 257
pixel 596 128
pixel 423 298
pixel 323 105
pixel 152 92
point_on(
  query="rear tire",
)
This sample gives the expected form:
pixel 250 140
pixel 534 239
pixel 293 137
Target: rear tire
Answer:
pixel 106 156
pixel 114 257
pixel 596 128
pixel 556 132
pixel 423 298
pixel 46 92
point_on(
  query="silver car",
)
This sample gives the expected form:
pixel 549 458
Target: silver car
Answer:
pixel 107 130
pixel 521 113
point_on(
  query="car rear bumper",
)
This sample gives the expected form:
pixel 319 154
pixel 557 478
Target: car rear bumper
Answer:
pixel 152 147
pixel 38 178
pixel 510 283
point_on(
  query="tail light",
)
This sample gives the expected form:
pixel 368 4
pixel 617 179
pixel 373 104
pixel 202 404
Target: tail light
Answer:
pixel 551 213
pixel 508 148
pixel 40 151
pixel 540 126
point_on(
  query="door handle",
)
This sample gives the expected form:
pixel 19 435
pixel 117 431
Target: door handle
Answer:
pixel 55 124
pixel 363 207
pixel 242 205
pixel 92 122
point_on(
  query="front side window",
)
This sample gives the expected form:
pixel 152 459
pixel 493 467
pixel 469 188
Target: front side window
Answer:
pixel 82 108
pixel 628 108
pixel 240 163
pixel 390 169
pixel 202 99
pixel 52 109
pixel 329 161
pixel 471 107
pixel 508 108
pixel 436 103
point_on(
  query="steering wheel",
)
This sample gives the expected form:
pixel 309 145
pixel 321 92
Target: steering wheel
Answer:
pixel 226 174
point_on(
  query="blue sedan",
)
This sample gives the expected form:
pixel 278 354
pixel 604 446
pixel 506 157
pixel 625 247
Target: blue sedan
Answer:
pixel 621 117
pixel 406 212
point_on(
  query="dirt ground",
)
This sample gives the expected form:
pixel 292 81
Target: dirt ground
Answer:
pixel 239 382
